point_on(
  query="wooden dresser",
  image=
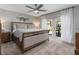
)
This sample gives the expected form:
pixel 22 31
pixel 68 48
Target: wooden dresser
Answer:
pixel 0 37
pixel 77 44
pixel 5 37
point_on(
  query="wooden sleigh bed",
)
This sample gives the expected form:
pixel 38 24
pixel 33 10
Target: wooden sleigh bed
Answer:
pixel 26 40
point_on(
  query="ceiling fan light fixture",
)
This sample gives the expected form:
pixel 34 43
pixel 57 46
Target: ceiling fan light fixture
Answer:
pixel 36 11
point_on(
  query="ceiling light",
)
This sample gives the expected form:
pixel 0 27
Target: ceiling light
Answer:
pixel 36 11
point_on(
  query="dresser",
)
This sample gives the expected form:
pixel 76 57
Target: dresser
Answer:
pixel 0 36
pixel 77 44
pixel 5 37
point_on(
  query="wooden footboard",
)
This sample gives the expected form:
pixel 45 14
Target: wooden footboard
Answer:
pixel 17 41
pixel 30 47
pixel 30 34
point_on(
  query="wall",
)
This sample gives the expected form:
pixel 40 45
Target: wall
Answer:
pixel 37 22
pixel 7 17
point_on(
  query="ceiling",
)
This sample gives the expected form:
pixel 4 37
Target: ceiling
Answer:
pixel 22 9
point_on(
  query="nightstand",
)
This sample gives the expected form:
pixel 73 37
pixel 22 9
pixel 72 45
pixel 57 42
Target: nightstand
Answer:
pixel 5 37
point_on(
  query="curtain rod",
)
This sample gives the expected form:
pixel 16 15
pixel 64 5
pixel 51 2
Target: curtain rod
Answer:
pixel 59 10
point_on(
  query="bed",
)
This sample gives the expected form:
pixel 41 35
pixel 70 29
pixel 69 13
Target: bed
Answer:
pixel 28 37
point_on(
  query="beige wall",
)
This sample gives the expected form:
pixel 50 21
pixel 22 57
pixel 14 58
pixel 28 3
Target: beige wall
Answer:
pixel 37 22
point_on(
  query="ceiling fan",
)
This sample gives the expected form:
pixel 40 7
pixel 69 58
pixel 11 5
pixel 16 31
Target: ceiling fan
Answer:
pixel 37 8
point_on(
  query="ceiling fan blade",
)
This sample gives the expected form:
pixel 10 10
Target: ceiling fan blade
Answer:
pixel 41 5
pixel 42 10
pixel 36 5
pixel 29 7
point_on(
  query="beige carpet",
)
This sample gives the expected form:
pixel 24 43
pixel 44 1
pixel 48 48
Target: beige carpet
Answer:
pixel 51 47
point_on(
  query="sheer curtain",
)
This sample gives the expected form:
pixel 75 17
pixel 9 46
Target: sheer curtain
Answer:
pixel 44 24
pixel 67 25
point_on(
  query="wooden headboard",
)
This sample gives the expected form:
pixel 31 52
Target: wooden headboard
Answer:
pixel 12 23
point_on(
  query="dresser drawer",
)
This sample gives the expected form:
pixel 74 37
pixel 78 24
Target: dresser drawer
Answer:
pixel 77 44
pixel 77 36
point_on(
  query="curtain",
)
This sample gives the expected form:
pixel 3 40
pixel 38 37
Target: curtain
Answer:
pixel 44 22
pixel 67 25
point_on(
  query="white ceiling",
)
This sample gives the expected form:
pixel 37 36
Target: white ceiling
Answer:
pixel 22 9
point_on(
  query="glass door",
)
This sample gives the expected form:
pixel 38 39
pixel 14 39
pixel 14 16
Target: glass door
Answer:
pixel 58 27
